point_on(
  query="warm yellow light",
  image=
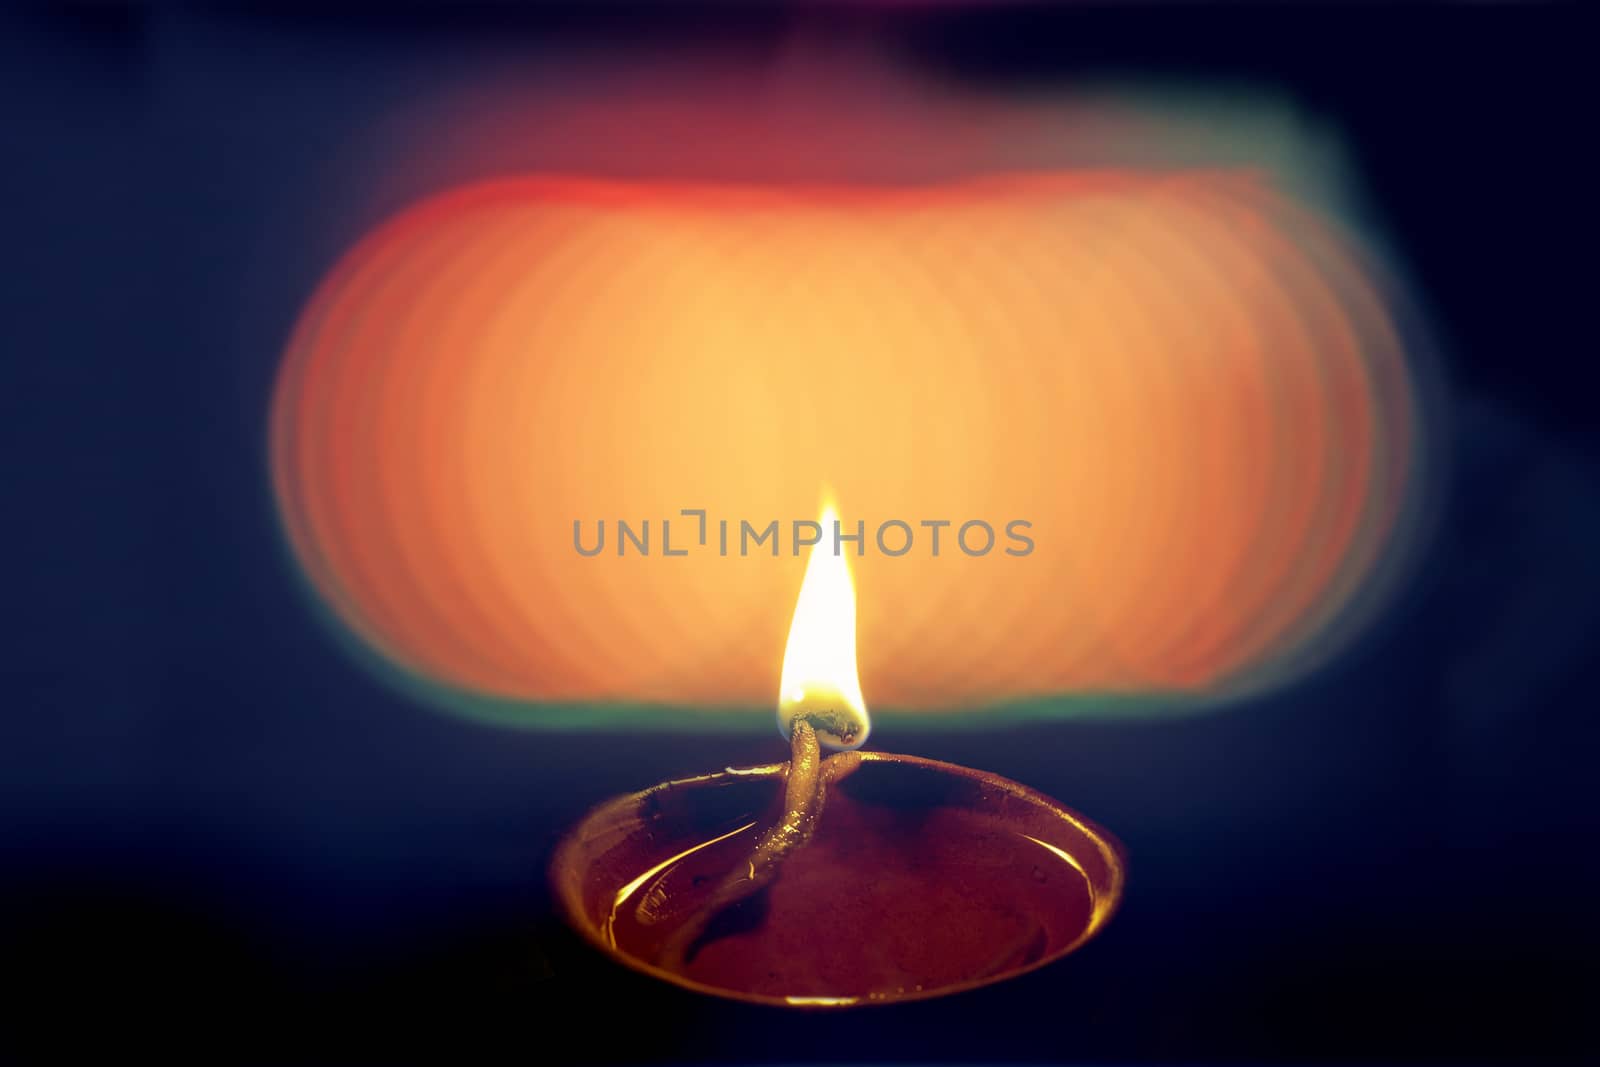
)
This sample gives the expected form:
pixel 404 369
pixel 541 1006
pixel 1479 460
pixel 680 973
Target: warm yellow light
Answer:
pixel 820 682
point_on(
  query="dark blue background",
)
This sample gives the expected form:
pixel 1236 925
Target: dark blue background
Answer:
pixel 221 837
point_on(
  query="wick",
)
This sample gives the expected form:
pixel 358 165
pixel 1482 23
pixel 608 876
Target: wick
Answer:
pixel 805 788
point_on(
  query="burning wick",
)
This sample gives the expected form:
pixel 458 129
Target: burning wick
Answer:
pixel 819 704
pixel 820 684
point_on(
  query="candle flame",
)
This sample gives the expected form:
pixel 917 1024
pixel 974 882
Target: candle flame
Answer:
pixel 820 682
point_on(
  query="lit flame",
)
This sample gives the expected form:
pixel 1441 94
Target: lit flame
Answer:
pixel 820 682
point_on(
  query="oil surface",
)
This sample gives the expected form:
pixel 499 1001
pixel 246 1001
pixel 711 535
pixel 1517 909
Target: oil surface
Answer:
pixel 898 893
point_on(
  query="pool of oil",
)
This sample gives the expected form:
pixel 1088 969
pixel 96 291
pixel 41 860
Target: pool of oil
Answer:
pixel 917 881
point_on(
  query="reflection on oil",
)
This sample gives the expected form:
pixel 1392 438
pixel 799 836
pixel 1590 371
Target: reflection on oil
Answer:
pixel 664 866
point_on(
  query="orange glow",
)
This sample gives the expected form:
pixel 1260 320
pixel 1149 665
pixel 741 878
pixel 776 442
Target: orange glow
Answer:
pixel 1185 382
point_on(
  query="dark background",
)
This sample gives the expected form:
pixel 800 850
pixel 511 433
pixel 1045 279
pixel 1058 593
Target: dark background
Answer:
pixel 221 837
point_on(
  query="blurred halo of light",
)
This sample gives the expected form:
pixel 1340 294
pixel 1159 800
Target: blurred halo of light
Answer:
pixel 1191 384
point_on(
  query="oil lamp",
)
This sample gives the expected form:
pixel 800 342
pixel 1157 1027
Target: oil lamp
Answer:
pixel 1204 375
pixel 863 877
